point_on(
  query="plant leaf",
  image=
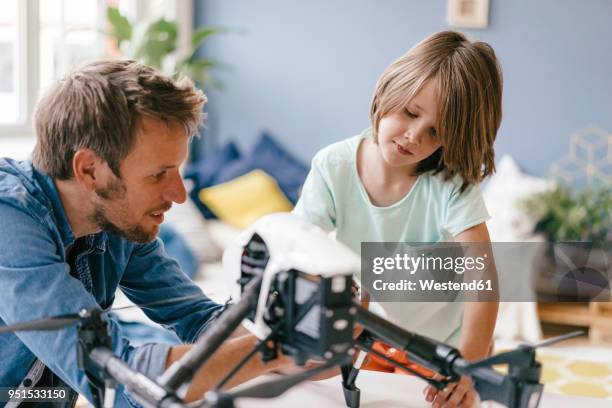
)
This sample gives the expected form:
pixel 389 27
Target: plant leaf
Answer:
pixel 196 69
pixel 202 64
pixel 564 215
pixel 121 27
pixel 159 40
pixel 202 34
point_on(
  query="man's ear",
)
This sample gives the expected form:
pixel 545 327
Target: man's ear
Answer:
pixel 87 168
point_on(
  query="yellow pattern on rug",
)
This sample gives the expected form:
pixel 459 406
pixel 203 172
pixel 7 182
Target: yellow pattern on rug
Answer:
pixel 565 375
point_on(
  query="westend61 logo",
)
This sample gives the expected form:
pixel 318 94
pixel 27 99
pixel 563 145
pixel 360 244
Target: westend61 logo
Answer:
pixel 508 271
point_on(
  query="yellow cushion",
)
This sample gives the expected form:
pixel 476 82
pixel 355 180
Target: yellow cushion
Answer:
pixel 241 201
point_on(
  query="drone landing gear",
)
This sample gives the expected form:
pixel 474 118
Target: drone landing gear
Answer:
pixel 352 394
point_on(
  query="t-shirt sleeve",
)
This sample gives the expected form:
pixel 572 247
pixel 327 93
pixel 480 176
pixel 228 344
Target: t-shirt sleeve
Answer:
pixel 316 203
pixel 465 209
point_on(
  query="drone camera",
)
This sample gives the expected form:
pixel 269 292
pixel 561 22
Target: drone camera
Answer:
pixel 312 316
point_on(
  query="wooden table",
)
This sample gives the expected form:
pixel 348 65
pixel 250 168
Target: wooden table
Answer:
pixel 389 391
pixel 597 316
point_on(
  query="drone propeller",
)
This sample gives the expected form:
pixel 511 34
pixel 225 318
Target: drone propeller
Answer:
pixel 47 324
pixel 554 340
pixel 60 322
pixel 276 387
pixel 519 353
pixel 158 302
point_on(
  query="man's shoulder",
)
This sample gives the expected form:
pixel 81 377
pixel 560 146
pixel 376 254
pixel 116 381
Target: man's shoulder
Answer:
pixel 13 172
pixel 20 188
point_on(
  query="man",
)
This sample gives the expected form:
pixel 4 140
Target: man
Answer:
pixel 81 221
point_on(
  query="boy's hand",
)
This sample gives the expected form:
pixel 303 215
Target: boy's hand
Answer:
pixel 456 395
pixel 364 297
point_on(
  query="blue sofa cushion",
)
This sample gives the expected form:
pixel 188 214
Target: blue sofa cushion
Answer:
pixel 177 248
pixel 204 173
pixel 269 156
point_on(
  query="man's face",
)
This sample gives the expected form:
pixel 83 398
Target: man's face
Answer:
pixel 150 182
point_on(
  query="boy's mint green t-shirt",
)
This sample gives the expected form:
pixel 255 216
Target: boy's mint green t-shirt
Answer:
pixel 434 210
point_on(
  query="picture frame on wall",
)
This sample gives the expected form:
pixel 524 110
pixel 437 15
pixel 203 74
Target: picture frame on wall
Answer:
pixel 467 13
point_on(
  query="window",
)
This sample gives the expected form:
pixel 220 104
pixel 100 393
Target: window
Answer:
pixel 9 63
pixel 69 35
pixel 41 40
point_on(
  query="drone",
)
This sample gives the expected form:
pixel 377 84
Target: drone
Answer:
pixel 296 294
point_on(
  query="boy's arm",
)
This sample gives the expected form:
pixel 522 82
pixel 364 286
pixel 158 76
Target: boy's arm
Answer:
pixel 478 317
pixel 476 333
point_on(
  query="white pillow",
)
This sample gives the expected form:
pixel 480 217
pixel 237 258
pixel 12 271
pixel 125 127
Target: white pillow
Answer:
pixel 222 234
pixel 189 223
pixel 502 192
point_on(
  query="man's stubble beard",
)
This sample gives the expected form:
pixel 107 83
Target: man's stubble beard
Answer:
pixel 115 190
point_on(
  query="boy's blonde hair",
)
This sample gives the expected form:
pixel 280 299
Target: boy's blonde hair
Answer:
pixel 469 83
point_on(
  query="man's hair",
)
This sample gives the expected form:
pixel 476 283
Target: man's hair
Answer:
pixel 469 81
pixel 100 107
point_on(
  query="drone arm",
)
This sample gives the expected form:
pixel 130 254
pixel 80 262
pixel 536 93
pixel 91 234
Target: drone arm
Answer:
pixel 183 370
pixel 145 390
pixel 490 384
pixel 424 351
pixel 520 388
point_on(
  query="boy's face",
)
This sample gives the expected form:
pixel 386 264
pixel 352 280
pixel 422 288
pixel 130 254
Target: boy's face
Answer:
pixel 150 182
pixel 409 136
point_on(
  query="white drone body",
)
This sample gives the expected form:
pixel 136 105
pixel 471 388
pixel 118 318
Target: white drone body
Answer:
pixel 292 244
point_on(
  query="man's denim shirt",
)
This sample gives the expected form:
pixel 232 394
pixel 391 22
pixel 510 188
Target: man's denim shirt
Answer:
pixel 36 281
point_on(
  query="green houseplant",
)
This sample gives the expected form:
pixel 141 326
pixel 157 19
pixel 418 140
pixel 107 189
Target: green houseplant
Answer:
pixel 156 45
pixel 574 265
pixel 563 215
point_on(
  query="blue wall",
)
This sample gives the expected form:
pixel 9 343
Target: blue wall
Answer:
pixel 305 70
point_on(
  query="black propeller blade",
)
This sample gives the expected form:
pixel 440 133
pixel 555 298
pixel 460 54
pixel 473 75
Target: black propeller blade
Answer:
pixel 276 387
pixel 159 302
pixel 51 323
pixel 558 339
pixel 515 355
pixel 60 322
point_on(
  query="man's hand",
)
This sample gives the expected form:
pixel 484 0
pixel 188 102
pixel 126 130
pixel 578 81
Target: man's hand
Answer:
pixel 226 357
pixel 456 395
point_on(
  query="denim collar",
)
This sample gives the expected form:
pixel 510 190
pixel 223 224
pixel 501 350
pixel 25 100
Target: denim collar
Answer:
pixel 97 242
